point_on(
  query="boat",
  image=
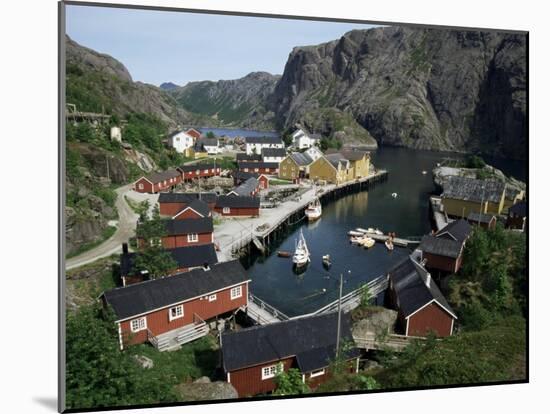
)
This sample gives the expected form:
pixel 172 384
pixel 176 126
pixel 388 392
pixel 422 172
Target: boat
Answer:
pixel 371 230
pixel 301 253
pixel 389 244
pixel 355 233
pixel 357 239
pixel 361 230
pixel 394 195
pixel 314 210
pixel 379 232
pixel 424 172
pixel 368 242
pixel 326 261
pixel 283 253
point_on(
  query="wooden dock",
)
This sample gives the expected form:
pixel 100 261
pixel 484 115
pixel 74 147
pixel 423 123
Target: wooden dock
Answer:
pixel 262 313
pixel 396 240
pixel 393 342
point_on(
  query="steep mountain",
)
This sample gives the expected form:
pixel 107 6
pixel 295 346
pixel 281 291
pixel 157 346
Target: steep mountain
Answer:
pixel 238 102
pixel 421 88
pixel 97 82
pixel 168 86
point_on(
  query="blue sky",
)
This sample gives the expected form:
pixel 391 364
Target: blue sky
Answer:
pixel 160 46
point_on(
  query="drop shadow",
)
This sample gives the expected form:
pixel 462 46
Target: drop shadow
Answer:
pixel 47 402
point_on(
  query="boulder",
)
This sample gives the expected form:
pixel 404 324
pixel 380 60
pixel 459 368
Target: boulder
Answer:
pixel 378 322
pixel 144 362
pixel 203 391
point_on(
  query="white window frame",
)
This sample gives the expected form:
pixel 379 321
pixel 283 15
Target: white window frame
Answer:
pixel 178 309
pixel 141 324
pixel 236 292
pixel 317 373
pixel 256 169
pixel 271 370
pixel 212 298
pixel 192 238
pixel 140 186
pixel 226 210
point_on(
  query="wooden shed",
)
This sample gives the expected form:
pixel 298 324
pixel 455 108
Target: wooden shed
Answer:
pixel 157 182
pixel 181 233
pixel 243 206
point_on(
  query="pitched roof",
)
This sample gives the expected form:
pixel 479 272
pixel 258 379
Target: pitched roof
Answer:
pixel 311 339
pixel 255 164
pixel 185 257
pixel 157 177
pixel 243 156
pixel 349 154
pixel 193 132
pixel 519 209
pixel 409 283
pixel 238 202
pixel 471 189
pixel 206 197
pixel 243 176
pixel 336 159
pixel 145 297
pixel 480 218
pixel 248 187
pixel 174 198
pixel 189 226
pixel 199 206
pixel 273 152
pixel 457 230
pixel 301 158
pixel 440 246
pixel 195 167
pixel 263 140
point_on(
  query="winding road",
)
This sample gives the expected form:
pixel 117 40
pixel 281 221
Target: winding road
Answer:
pixel 127 220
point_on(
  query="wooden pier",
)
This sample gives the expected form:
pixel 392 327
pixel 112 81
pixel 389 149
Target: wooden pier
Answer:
pixel 396 240
pixel 262 313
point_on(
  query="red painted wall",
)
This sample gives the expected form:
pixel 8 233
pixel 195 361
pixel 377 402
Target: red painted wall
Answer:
pixel 446 264
pixel 171 209
pixel 158 321
pixel 189 214
pixel 180 240
pixel 430 318
pixel 239 211
pixel 156 187
pixel 190 175
pixel 248 381
pixel 264 182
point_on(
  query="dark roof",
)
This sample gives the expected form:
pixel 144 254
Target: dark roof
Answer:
pixel 195 167
pixel 471 189
pixel 480 218
pixel 302 159
pixel 211 142
pixel 243 176
pixel 242 156
pixel 206 197
pixel 263 140
pixel 189 226
pixel 157 177
pixel 255 164
pixel 248 187
pixel 199 206
pixel 440 246
pixel 311 339
pixel 348 154
pixel 185 257
pixel 147 296
pixel 409 283
pixel 337 159
pixel 174 198
pixel 458 230
pixel 519 209
pixel 238 202
pixel 273 152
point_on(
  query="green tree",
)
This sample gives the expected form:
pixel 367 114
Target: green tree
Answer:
pixel 474 161
pixel 366 296
pixel 210 134
pixel 98 373
pixel 290 382
pixel 287 139
pixel 152 257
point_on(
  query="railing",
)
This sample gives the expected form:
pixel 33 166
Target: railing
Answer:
pixel 152 339
pixel 277 314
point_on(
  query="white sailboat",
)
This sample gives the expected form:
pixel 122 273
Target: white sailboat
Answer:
pixel 314 210
pixel 301 253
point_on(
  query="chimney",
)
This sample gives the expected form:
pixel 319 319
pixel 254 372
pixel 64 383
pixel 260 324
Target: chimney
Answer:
pixel 124 248
pixel 428 279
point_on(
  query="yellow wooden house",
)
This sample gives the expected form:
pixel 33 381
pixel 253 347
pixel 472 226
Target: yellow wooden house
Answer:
pixel 295 166
pixel 330 168
pixel 462 196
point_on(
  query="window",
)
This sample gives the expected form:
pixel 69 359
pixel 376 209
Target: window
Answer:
pixel 256 169
pixel 226 210
pixel 140 186
pixel 206 171
pixel 236 292
pixel 271 371
pixel 246 170
pixel 198 172
pixel 175 313
pixel 164 182
pixel 192 238
pixel 138 324
pixel 155 242
pixel 317 373
pixel 212 298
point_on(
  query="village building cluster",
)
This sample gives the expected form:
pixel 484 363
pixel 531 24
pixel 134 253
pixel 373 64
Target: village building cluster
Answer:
pixel 202 293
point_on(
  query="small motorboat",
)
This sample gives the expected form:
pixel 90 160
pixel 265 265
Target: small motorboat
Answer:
pixel 355 233
pixel 361 230
pixel 371 230
pixel 301 253
pixel 357 239
pixel 389 244
pixel 424 172
pixel 368 242
pixel 378 231
pixel 283 253
pixel 394 195
pixel 314 210
pixel 326 261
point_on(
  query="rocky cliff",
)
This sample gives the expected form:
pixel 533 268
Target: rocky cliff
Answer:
pixel 420 88
pixel 238 102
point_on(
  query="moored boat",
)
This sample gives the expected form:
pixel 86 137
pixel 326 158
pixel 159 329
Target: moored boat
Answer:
pixel 355 233
pixel 368 242
pixel 326 261
pixel 283 253
pixel 314 210
pixel 389 244
pixel 301 253
pixel 361 230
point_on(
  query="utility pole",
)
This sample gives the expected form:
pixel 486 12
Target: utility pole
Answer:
pixel 481 205
pixel 339 309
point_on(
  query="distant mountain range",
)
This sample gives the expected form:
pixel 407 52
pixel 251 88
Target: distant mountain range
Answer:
pixel 434 89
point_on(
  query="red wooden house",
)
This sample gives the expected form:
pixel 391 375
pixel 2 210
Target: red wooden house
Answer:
pixel 191 172
pixel 239 177
pixel 171 311
pixel 252 357
pixel 194 210
pixel 186 258
pixel 181 233
pixel 158 182
pixel 259 167
pixel 249 188
pixel 445 249
pixel 243 206
pixel 421 306
pixel 172 203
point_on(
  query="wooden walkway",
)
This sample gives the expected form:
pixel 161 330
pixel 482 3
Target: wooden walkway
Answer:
pixel 440 218
pixel 263 313
pixel 396 240
pixel 391 341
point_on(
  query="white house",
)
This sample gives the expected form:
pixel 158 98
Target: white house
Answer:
pixel 210 145
pixel 180 141
pixel 314 153
pixel 273 154
pixel 255 145
pixel 302 140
